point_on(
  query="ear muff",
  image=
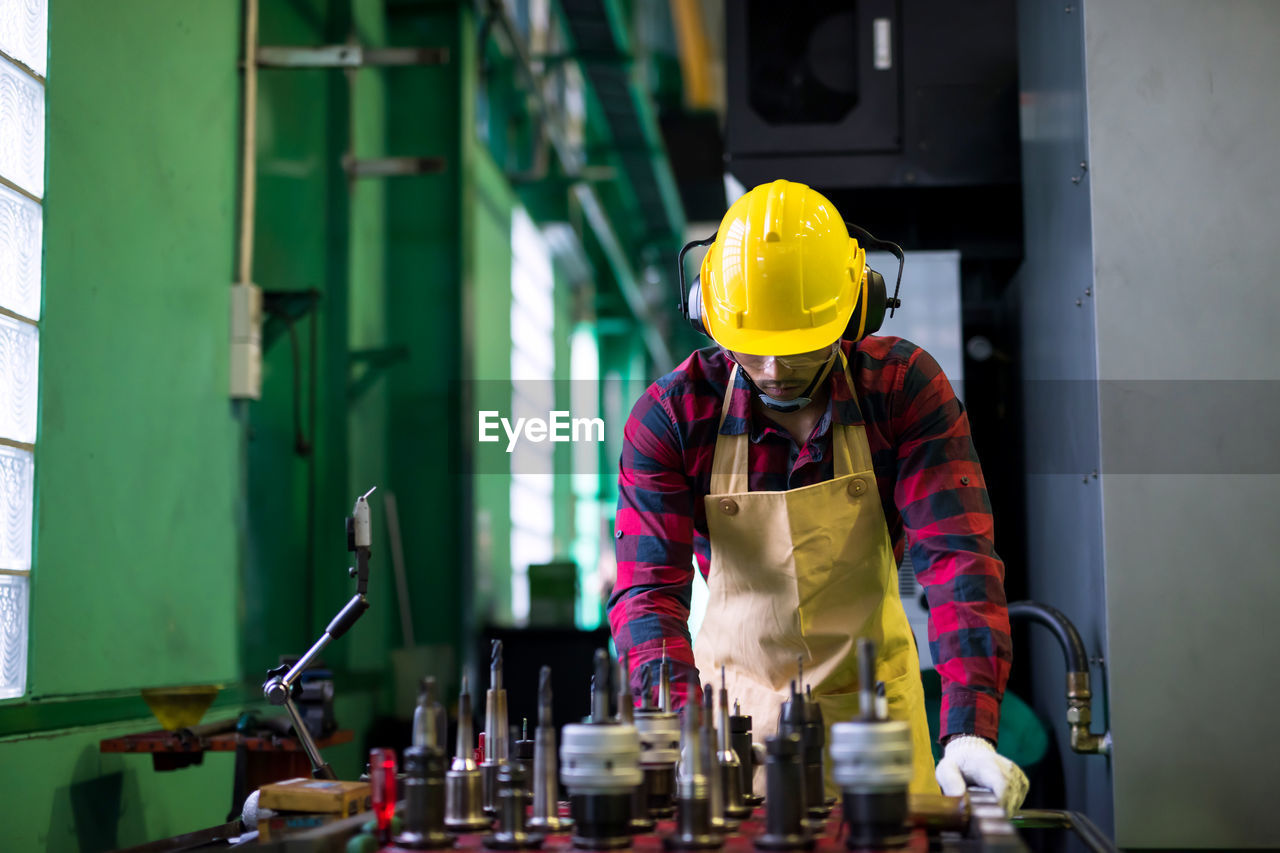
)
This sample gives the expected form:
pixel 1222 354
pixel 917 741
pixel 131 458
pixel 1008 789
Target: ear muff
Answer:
pixel 694 313
pixel 868 314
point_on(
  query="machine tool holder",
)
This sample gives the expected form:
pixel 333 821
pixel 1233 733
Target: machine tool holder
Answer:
pixel 281 686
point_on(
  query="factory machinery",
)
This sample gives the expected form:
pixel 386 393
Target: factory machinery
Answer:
pixel 638 776
pixel 642 776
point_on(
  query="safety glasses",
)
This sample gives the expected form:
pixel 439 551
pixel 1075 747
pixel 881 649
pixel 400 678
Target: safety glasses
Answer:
pixel 802 361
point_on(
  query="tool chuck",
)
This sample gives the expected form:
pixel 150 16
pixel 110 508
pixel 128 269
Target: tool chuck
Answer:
pixel 513 799
pixel 730 767
pixel 464 803
pixel 872 764
pixel 600 765
pixel 740 740
pixel 693 803
pixel 546 777
pixel 424 794
pixel 659 754
pixel 784 805
pixel 496 736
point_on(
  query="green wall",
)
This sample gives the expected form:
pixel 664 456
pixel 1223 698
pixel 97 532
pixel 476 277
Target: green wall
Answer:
pixel 182 538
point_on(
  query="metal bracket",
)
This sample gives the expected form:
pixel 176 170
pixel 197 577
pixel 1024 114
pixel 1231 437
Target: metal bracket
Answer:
pixel 375 361
pixel 348 56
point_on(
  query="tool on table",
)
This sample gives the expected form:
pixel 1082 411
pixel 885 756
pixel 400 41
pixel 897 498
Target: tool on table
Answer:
pixel 784 804
pixel 730 767
pixel 799 719
pixel 814 741
pixel 694 830
pixel 641 820
pixel 282 687
pixel 720 822
pixel 546 777
pixel 496 736
pixel 464 793
pixel 600 765
pixel 513 799
pixel 740 740
pixel 522 753
pixel 424 785
pixel 659 754
pixel 872 758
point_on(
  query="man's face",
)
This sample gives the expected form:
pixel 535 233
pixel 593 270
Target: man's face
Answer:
pixel 783 377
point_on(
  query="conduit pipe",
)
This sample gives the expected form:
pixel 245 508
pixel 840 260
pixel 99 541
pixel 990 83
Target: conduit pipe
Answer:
pixel 1079 696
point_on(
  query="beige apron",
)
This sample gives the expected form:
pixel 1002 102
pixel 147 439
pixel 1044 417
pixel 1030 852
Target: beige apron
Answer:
pixel 804 573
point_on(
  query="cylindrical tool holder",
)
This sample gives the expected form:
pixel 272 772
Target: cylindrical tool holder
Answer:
pixel 784 804
pixel 740 740
pixel 424 800
pixel 659 754
pixel 513 801
pixel 873 768
pixel 600 765
pixel 814 741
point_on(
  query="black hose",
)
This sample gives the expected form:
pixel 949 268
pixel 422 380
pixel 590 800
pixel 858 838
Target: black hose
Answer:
pixel 1060 625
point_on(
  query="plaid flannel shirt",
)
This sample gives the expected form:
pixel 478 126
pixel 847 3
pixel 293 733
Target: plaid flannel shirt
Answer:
pixel 931 487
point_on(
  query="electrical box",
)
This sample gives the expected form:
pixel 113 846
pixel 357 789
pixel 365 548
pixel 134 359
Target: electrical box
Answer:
pixel 873 93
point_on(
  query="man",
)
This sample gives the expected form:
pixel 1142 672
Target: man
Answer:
pixel 789 459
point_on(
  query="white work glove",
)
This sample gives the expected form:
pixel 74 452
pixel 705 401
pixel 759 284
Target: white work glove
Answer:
pixel 969 760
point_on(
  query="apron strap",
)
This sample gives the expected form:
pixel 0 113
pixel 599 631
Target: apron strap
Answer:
pixel 729 460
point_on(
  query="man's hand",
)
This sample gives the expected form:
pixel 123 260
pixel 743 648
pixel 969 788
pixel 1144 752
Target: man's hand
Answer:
pixel 969 760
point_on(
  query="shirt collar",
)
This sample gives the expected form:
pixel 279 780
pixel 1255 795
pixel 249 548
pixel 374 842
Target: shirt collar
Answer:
pixel 842 406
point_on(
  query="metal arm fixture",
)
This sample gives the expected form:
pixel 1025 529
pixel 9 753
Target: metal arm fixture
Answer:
pixel 1079 696
pixel 281 686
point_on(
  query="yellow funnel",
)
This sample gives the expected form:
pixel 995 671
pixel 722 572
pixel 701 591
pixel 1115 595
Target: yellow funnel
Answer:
pixel 180 707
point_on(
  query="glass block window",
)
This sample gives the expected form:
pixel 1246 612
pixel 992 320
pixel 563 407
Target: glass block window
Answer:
pixel 24 26
pixel 533 363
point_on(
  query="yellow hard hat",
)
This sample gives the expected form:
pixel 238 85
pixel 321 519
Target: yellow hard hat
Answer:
pixel 783 275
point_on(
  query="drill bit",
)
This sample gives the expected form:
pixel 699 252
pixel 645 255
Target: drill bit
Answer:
pixel 600 688
pixel 544 697
pixel 497 747
pixel 546 775
pixel 496 736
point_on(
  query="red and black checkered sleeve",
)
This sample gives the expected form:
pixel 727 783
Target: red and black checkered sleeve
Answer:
pixel 654 543
pixel 946 513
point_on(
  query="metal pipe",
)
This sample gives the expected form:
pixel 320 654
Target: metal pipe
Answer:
pixel 248 166
pixel 1079 695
